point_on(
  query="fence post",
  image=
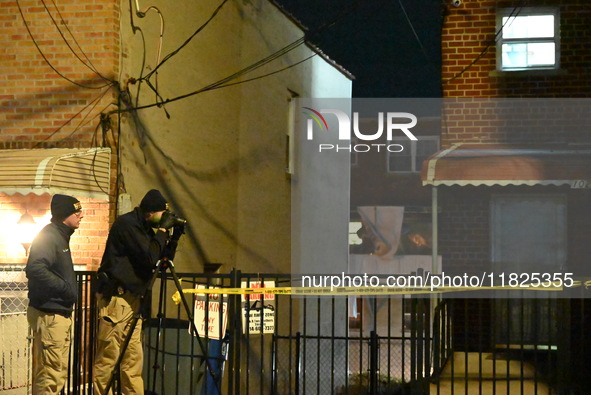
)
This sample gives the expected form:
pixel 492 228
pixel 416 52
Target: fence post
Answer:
pixel 234 334
pixel 297 362
pixel 373 363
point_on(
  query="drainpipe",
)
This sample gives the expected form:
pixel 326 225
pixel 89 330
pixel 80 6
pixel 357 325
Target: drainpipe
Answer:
pixel 434 235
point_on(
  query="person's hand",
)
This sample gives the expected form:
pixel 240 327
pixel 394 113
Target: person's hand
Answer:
pixel 167 220
pixel 177 231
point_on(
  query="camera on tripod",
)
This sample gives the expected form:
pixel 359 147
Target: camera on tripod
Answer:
pixel 170 220
pixel 177 221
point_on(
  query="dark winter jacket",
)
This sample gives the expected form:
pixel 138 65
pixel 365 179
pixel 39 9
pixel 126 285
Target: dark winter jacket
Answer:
pixel 52 280
pixel 132 251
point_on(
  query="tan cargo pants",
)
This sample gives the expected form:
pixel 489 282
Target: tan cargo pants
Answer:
pixel 51 346
pixel 115 318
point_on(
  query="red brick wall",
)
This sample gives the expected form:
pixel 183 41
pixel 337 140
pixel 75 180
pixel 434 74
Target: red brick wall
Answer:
pixel 464 230
pixel 469 71
pixel 41 109
pixel 468 36
pixel 36 102
pixel 87 242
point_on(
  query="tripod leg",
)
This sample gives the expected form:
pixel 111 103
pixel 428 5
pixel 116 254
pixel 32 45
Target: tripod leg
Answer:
pixel 131 330
pixel 194 330
pixel 160 317
pixel 124 346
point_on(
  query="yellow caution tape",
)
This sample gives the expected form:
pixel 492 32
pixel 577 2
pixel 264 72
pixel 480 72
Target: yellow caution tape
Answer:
pixel 350 291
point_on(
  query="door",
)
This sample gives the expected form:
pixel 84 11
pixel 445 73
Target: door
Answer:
pixel 528 235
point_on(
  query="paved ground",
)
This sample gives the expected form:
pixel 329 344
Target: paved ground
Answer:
pixel 499 376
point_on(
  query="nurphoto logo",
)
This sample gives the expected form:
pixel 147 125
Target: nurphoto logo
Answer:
pixel 391 122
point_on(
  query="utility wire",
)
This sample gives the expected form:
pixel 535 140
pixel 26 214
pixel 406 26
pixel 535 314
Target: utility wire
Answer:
pixel 188 40
pixel 82 123
pixel 414 32
pixel 217 85
pixel 515 11
pixel 89 65
pixel 142 14
pixel 43 55
pixel 225 81
pixel 92 103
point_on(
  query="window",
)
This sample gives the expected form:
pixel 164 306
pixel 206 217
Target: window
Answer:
pixel 410 158
pixel 529 39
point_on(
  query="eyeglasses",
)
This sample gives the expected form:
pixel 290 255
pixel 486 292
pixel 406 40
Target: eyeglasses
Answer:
pixel 78 213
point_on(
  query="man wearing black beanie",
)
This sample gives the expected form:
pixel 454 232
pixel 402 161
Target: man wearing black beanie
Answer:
pixel 137 240
pixel 52 294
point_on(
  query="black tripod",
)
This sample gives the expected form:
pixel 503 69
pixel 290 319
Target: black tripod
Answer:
pixel 161 266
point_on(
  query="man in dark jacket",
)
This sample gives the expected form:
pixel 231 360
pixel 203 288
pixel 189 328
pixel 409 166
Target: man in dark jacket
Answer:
pixel 137 240
pixel 52 294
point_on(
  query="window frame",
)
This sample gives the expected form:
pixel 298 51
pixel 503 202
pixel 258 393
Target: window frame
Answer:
pixel 528 11
pixel 413 153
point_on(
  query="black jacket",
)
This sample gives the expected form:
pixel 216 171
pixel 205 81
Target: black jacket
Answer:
pixel 52 280
pixel 132 251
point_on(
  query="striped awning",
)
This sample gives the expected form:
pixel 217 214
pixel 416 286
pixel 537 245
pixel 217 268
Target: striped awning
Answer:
pixel 81 172
pixel 500 164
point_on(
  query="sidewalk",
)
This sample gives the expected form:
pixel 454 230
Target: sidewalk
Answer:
pixel 499 376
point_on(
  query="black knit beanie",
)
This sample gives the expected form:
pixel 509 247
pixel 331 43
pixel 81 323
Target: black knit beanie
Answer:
pixel 62 206
pixel 154 201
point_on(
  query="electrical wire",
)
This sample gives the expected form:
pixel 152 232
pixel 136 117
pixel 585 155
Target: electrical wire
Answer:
pixel 414 32
pixel 89 65
pixel 142 14
pixel 217 85
pixel 188 40
pixel 92 103
pixel 264 75
pixel 81 124
pixel 516 10
pixel 281 52
pixel 45 57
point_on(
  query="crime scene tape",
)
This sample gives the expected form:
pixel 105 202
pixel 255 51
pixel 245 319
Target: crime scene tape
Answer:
pixel 351 291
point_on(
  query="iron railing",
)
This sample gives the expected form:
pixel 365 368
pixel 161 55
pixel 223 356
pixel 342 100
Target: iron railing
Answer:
pixel 322 344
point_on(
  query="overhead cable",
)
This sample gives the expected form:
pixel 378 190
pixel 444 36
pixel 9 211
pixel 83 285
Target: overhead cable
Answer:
pixel 224 82
pixel 45 57
pixel 513 14
pixel 188 40
pixel 89 65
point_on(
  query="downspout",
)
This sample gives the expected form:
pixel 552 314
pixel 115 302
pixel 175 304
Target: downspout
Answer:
pixel 434 233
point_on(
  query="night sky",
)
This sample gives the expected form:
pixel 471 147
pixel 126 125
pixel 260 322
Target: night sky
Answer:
pixel 374 40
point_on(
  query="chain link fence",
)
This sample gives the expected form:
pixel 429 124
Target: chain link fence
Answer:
pixel 14 342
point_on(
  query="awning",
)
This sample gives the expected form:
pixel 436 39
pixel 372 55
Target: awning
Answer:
pixel 500 164
pixel 80 172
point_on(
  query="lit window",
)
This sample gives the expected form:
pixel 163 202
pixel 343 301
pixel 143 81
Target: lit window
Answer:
pixel 410 159
pixel 529 39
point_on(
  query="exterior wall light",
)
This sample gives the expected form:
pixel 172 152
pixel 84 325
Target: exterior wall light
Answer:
pixel 26 231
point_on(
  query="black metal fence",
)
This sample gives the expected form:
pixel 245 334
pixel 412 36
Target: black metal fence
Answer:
pixel 283 344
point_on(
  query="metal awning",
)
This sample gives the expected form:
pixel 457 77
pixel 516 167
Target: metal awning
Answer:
pixel 80 172
pixel 500 164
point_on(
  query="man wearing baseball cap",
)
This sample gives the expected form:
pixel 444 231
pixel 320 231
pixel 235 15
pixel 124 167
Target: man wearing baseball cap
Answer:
pixel 137 240
pixel 52 294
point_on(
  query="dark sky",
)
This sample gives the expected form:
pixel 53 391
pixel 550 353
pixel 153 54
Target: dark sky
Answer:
pixel 392 47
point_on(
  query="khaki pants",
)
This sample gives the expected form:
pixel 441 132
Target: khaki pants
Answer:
pixel 115 318
pixel 51 346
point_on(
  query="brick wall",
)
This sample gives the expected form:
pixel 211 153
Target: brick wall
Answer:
pixel 469 71
pixel 87 243
pixel 464 230
pixel 468 36
pixel 39 108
